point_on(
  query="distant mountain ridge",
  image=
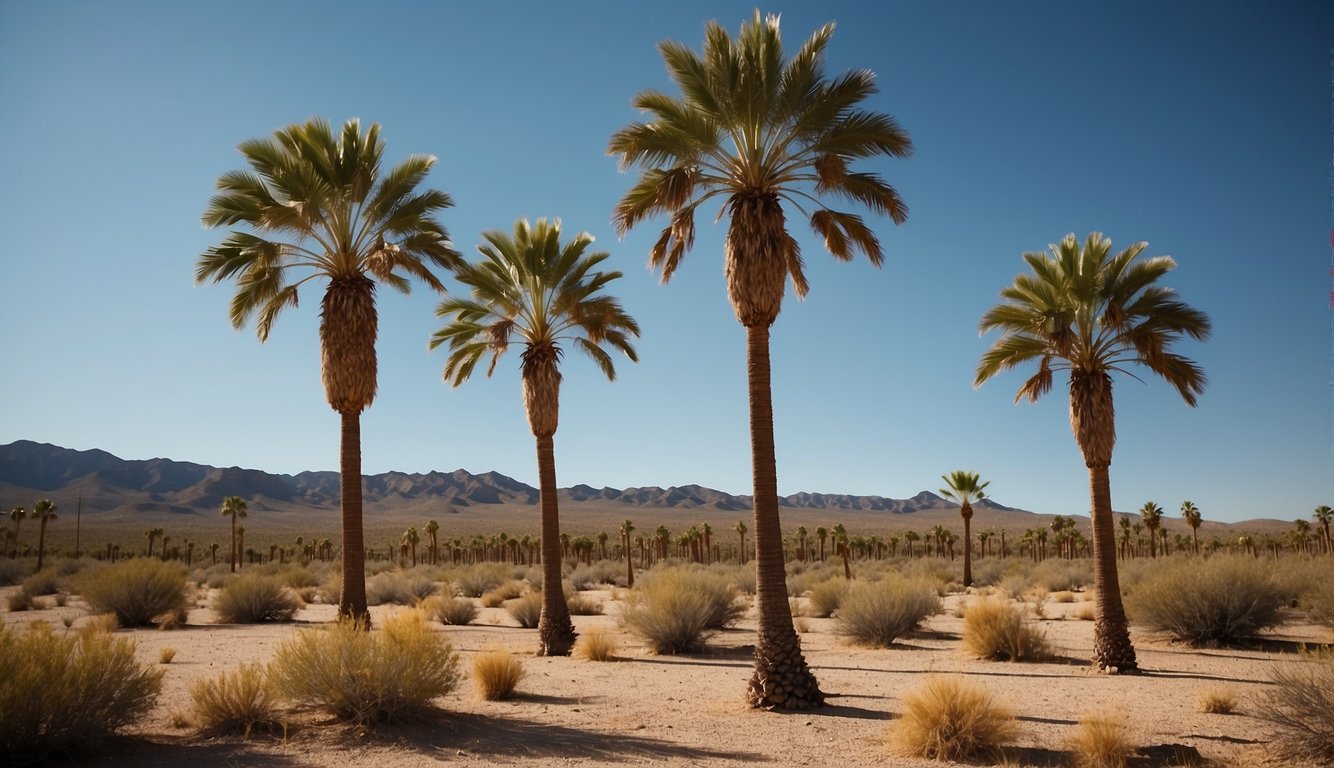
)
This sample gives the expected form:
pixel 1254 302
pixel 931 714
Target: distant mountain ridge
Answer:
pixel 107 482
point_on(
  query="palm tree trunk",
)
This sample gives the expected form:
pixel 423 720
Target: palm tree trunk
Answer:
pixel 1112 650
pixel 234 553
pixel 41 544
pixel 352 602
pixel 966 511
pixel 781 678
pixel 555 631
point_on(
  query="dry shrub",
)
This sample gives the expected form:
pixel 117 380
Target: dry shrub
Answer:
pixel 583 605
pixel 827 596
pixel 235 701
pixel 20 601
pixel 165 655
pixel 1064 596
pixel 253 598
pixel 475 580
pixel 878 613
pixel 494 598
pixel 993 629
pixel 64 693
pixel 947 718
pixel 603 572
pixel 138 591
pixel 1216 601
pixel 457 611
pixel 396 588
pixel 1319 601
pixel 1301 704
pixel 596 644
pixel 495 675
pixel 1085 612
pixel 364 676
pixel 1217 700
pixel 44 582
pixel 12 572
pixel 527 610
pixel 675 610
pixel 1102 740
pixel 796 607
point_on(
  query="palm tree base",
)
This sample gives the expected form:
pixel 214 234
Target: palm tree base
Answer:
pixel 1112 650
pixel 556 638
pixel 782 680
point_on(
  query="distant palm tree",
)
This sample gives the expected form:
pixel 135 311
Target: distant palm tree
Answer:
pixel 152 534
pixel 339 219
pixel 213 551
pixel 627 528
pixel 432 532
pixel 758 130
pixel 45 512
pixel 1152 515
pixel 16 515
pixel 821 533
pixel 841 548
pixel 1092 313
pixel 411 538
pixel 240 546
pixel 801 542
pixel 1191 514
pixel 233 507
pixel 532 290
pixel 909 538
pixel 965 487
pixel 1324 515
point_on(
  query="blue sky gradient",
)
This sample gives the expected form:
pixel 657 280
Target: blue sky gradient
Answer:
pixel 1202 128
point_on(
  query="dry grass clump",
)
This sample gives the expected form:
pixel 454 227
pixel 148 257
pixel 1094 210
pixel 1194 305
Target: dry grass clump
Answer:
pixel 394 588
pixel 583 605
pixel 253 598
pixel 367 676
pixel 457 611
pixel 827 596
pixel 1063 596
pixel 1217 700
pixel 993 629
pixel 44 582
pixel 1301 704
pixel 64 693
pixel 1216 601
pixel 12 572
pixel 526 610
pixel 495 675
pixel 947 718
pixel 476 580
pixel 235 701
pixel 878 613
pixel 603 572
pixel 1086 612
pixel 139 591
pixel 19 601
pixel 1319 601
pixel 675 610
pixel 496 597
pixel 595 644
pixel 165 655
pixel 1102 740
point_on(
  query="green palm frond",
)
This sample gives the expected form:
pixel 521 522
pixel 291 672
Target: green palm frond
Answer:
pixel 529 289
pixel 315 204
pixel 750 122
pixel 1087 309
pixel 964 486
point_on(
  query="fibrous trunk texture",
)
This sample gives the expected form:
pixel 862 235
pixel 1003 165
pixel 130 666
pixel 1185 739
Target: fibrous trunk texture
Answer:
pixel 781 679
pixel 755 259
pixel 966 511
pixel 555 631
pixel 352 601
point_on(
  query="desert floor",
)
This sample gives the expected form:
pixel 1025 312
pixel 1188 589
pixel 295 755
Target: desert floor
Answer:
pixel 688 710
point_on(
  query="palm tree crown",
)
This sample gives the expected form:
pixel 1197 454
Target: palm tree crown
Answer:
pixel 964 487
pixel 758 130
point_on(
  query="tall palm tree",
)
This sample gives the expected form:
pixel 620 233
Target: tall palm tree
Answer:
pixel 1191 514
pixel 965 487
pixel 627 528
pixel 412 539
pixel 16 515
pixel 233 507
pixel 335 217
pixel 531 290
pixel 1152 515
pixel 432 533
pixel 758 131
pixel 1093 313
pixel 45 511
pixel 1324 515
pixel 153 534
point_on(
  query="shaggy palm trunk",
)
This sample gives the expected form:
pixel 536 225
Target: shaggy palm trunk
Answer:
pixel 234 552
pixel 966 511
pixel 348 327
pixel 41 543
pixel 541 399
pixel 1093 419
pixel 781 678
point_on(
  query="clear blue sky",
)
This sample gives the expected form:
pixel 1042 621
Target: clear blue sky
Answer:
pixel 1203 128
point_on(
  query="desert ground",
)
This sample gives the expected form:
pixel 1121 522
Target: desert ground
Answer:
pixel 645 709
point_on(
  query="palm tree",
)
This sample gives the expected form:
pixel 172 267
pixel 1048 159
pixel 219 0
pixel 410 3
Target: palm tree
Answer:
pixel 909 537
pixel 1324 515
pixel 44 511
pixel 239 561
pixel 17 514
pixel 411 538
pixel 821 533
pixel 627 528
pixel 1152 515
pixel 1092 313
pixel 741 531
pixel 213 550
pixel 841 548
pixel 759 131
pixel 1193 518
pixel 233 507
pixel 336 218
pixel 530 289
pixel 965 487
pixel 432 532
pixel 153 534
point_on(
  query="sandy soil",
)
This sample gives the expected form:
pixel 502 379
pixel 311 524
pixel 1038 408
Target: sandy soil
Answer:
pixel 688 710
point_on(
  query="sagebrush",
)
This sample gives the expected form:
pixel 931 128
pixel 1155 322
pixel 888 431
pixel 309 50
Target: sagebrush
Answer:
pixel 253 598
pixel 877 613
pixel 675 610
pixel 1102 740
pixel 236 701
pixel 994 629
pixel 946 718
pixel 1218 601
pixel 495 675
pixel 1300 702
pixel 140 591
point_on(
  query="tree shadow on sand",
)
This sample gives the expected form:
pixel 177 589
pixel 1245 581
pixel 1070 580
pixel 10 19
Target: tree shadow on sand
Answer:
pixel 501 736
pixel 125 751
